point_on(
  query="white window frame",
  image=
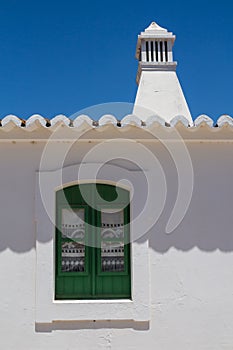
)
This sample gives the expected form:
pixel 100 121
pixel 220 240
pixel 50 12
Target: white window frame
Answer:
pixel 47 308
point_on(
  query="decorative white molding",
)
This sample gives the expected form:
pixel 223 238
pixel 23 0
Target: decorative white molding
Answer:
pixel 131 119
pixel 224 119
pixel 203 120
pixel 11 121
pixel 107 119
pixel 60 119
pixel 82 121
pixel 34 122
pixel 153 120
pixel 179 119
pixel 160 66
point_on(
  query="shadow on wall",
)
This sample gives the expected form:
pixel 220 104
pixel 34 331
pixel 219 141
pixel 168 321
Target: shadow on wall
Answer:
pixel 208 221
pixel 206 225
pixel 74 325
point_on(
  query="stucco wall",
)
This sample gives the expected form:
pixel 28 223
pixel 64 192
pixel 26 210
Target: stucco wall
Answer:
pixel 191 275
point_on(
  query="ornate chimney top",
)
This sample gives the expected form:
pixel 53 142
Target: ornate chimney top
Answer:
pixel 154 49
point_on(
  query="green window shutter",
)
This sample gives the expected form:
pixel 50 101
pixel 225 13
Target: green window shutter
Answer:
pixel 92 242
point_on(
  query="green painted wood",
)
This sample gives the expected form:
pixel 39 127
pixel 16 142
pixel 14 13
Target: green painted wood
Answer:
pixel 93 283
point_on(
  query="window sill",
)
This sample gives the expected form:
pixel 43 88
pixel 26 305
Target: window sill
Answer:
pixel 86 310
pixel 91 301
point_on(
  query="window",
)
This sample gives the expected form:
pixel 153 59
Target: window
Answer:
pixel 92 242
pixel 50 205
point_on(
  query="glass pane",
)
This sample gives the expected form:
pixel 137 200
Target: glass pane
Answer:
pixel 112 256
pixel 73 225
pixel 112 223
pixel 73 257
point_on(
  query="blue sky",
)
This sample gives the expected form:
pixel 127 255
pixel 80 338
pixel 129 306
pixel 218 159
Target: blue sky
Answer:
pixel 59 57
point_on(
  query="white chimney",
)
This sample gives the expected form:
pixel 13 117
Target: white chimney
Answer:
pixel 159 91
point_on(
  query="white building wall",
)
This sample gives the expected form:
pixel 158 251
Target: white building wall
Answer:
pixel 191 275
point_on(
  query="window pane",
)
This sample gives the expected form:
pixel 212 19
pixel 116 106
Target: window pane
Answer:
pixel 73 257
pixel 73 225
pixel 112 223
pixel 112 256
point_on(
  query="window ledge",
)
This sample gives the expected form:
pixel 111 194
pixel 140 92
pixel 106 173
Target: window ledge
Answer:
pixel 91 301
pixel 94 310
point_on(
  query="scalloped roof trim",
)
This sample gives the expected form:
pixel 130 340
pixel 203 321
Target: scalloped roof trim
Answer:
pixel 203 120
pixel 36 121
